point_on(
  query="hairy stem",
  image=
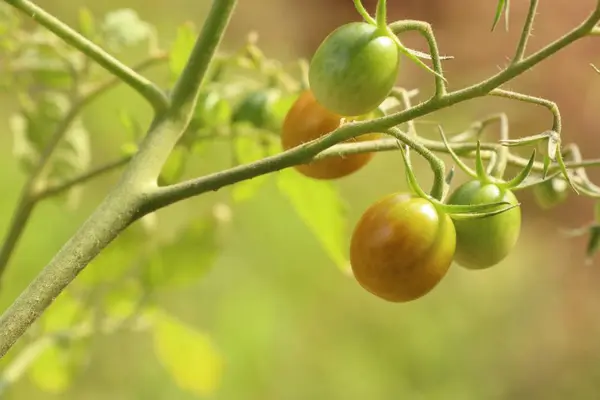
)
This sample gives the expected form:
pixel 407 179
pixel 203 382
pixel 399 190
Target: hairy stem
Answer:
pixel 550 105
pixel 425 30
pixel 143 86
pixel 526 33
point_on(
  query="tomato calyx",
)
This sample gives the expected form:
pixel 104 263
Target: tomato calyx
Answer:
pixel 456 211
pixel 380 21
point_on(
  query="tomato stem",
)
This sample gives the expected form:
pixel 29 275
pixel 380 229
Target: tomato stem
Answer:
pixel 364 13
pixel 381 15
pixel 437 165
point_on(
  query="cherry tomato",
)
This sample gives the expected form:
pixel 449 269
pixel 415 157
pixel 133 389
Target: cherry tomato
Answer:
pixel 308 120
pixel 402 247
pixel 354 69
pixel 551 193
pixel 255 108
pixel 484 242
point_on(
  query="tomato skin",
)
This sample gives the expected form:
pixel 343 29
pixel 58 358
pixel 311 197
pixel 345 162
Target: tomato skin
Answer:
pixel 551 193
pixel 308 120
pixel 484 242
pixel 354 69
pixel 402 247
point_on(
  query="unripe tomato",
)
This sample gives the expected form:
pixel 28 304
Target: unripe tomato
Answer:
pixel 551 193
pixel 255 108
pixel 484 242
pixel 402 247
pixel 308 120
pixel 354 69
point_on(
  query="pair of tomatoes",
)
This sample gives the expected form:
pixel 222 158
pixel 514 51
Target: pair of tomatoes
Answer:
pixel 403 245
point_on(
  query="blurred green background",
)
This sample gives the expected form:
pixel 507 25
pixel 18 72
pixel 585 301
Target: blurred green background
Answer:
pixel 286 322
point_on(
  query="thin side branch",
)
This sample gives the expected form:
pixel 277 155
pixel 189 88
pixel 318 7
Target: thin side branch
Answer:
pixel 87 176
pixel 425 30
pixel 526 33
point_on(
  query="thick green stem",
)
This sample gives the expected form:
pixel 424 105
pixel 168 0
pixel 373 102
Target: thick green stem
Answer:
pixel 143 86
pixel 111 217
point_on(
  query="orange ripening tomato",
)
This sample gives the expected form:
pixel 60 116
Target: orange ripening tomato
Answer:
pixel 308 120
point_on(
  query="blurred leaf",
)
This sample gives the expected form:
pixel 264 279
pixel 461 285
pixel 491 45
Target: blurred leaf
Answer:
pixel 593 243
pixel 123 300
pixel 87 26
pixel 73 156
pixel 62 313
pixel 174 167
pixel 280 108
pixel 188 355
pixel 320 207
pixel 181 49
pixel 186 257
pixel 51 371
pixel 124 28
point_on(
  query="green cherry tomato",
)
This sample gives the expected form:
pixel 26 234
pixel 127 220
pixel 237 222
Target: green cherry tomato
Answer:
pixel 211 110
pixel 354 69
pixel 484 242
pixel 255 108
pixel 402 247
pixel 551 193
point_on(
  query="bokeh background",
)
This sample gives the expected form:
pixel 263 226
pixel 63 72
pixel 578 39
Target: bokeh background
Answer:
pixel 288 324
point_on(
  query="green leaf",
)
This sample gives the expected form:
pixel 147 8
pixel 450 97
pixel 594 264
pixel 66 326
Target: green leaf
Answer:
pixel 503 6
pixel 174 167
pixel 123 28
pixel 181 49
pixel 320 206
pixel 188 355
pixel 185 258
pixel 51 371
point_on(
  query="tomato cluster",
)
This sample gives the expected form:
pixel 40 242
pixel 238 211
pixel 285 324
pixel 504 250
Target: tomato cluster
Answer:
pixel 404 244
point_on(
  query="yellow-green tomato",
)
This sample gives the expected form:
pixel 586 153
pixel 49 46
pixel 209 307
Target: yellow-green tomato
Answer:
pixel 402 247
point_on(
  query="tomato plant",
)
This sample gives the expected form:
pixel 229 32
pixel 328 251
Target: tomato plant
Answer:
pixel 484 242
pixel 308 120
pixel 354 69
pixel 551 193
pixel 402 247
